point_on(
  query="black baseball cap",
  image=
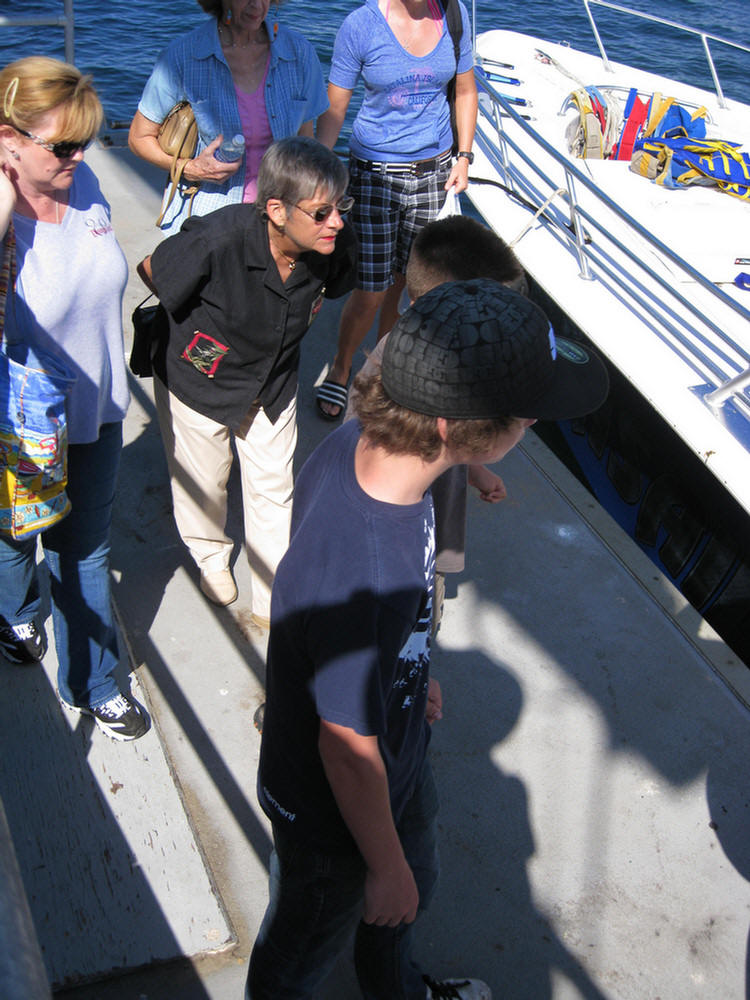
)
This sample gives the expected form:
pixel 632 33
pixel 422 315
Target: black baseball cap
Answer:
pixel 474 349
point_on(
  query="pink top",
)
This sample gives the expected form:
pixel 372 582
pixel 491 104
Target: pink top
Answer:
pixel 257 132
pixel 436 13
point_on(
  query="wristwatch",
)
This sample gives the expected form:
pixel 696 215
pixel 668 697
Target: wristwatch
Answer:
pixel 469 156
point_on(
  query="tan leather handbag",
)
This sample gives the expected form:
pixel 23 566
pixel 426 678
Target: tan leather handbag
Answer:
pixel 178 137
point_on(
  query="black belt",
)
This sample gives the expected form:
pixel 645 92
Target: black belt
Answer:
pixel 418 168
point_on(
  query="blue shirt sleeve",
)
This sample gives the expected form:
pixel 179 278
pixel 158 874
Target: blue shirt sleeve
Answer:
pixel 348 58
pixel 163 88
pixel 465 55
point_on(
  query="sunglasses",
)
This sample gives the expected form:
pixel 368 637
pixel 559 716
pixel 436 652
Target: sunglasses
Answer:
pixel 62 150
pixel 342 206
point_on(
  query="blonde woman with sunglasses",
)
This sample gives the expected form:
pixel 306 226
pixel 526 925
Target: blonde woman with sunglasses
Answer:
pixel 67 301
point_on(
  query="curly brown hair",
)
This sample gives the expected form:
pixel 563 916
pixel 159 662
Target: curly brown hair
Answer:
pixel 401 431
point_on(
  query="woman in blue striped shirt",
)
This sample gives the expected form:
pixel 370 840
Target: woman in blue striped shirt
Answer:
pixel 242 74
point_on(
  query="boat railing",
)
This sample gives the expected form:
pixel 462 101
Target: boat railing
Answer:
pixel 581 221
pixel 704 36
pixel 22 972
pixel 64 21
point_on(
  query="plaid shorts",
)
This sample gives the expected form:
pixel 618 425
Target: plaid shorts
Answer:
pixel 389 210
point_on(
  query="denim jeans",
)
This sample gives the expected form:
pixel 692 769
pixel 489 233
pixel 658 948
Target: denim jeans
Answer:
pixel 77 554
pixel 315 903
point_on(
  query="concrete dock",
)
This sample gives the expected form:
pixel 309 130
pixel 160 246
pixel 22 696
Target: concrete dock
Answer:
pixel 592 761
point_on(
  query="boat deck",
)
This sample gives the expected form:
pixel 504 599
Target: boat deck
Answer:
pixel 592 759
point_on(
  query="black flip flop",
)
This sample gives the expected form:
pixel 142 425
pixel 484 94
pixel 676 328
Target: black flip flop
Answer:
pixel 333 394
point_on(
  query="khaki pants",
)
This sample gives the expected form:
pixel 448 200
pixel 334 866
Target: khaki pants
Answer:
pixel 199 458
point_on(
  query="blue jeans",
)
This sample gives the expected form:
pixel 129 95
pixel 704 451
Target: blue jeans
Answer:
pixel 315 903
pixel 77 555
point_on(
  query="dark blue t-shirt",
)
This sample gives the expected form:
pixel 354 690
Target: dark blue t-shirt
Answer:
pixel 351 611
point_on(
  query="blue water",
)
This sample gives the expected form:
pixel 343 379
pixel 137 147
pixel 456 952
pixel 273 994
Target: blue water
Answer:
pixel 117 40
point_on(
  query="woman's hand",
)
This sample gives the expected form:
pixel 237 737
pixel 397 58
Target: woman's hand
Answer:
pixel 143 139
pixel 206 167
pixel 459 175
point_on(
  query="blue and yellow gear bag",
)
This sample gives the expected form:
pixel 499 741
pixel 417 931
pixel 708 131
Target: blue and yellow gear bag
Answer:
pixel 681 161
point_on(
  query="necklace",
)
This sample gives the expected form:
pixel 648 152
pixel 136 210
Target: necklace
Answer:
pixel 291 261
pixel 229 43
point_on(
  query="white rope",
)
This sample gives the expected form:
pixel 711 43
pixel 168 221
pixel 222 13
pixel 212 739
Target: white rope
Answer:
pixel 542 208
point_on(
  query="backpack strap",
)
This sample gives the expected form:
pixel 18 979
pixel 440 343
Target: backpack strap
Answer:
pixel 452 13
pixel 636 111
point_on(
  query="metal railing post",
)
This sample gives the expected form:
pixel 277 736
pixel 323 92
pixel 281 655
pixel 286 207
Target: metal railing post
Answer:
pixel 64 21
pixel 575 221
pixel 597 36
pixel 714 74
pixel 69 31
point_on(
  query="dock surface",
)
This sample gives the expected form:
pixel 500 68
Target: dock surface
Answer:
pixel 592 759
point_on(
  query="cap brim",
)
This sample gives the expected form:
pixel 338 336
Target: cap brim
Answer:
pixel 580 385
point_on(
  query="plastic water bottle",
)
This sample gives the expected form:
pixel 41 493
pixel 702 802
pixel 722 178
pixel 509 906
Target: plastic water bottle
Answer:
pixel 231 149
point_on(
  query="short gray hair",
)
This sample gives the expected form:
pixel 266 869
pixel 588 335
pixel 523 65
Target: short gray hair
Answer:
pixel 294 169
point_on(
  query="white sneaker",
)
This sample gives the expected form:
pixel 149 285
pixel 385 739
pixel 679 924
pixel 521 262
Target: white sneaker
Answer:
pixel 219 587
pixel 121 717
pixel 457 989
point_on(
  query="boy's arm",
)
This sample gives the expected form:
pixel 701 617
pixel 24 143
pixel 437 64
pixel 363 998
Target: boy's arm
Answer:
pixel 490 486
pixel 356 773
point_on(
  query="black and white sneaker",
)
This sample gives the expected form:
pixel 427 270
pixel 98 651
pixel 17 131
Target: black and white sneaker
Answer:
pixel 23 643
pixel 120 717
pixel 457 989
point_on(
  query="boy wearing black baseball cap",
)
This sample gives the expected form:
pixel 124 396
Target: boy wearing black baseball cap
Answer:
pixel 344 774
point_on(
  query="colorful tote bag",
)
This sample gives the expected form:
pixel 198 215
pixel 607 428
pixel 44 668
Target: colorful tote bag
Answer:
pixel 33 430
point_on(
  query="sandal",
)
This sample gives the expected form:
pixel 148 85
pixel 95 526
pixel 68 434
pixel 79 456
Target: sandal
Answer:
pixel 335 395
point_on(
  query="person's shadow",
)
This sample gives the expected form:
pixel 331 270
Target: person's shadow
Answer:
pixel 483 922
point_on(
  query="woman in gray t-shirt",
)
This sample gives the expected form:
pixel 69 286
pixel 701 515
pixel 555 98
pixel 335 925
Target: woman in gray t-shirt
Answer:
pixel 66 303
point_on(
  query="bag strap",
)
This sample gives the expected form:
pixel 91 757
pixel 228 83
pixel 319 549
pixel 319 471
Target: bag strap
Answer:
pixel 175 177
pixel 455 25
pixel 8 273
pixel 176 168
pixel 143 302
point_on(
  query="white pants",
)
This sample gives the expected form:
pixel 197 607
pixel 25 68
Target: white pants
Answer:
pixel 199 457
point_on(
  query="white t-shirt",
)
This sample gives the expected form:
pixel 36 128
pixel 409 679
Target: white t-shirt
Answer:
pixel 71 279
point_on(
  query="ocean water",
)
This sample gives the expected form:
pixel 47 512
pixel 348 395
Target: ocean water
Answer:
pixel 118 40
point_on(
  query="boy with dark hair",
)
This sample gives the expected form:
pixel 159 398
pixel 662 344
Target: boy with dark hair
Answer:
pixel 457 248
pixel 343 774
pixel 460 248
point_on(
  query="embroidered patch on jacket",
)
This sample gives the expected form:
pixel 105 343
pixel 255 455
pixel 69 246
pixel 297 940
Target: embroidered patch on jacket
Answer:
pixel 316 306
pixel 204 353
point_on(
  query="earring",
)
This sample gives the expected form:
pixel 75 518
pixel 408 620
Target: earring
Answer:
pixel 228 16
pixel 15 155
pixel 276 23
